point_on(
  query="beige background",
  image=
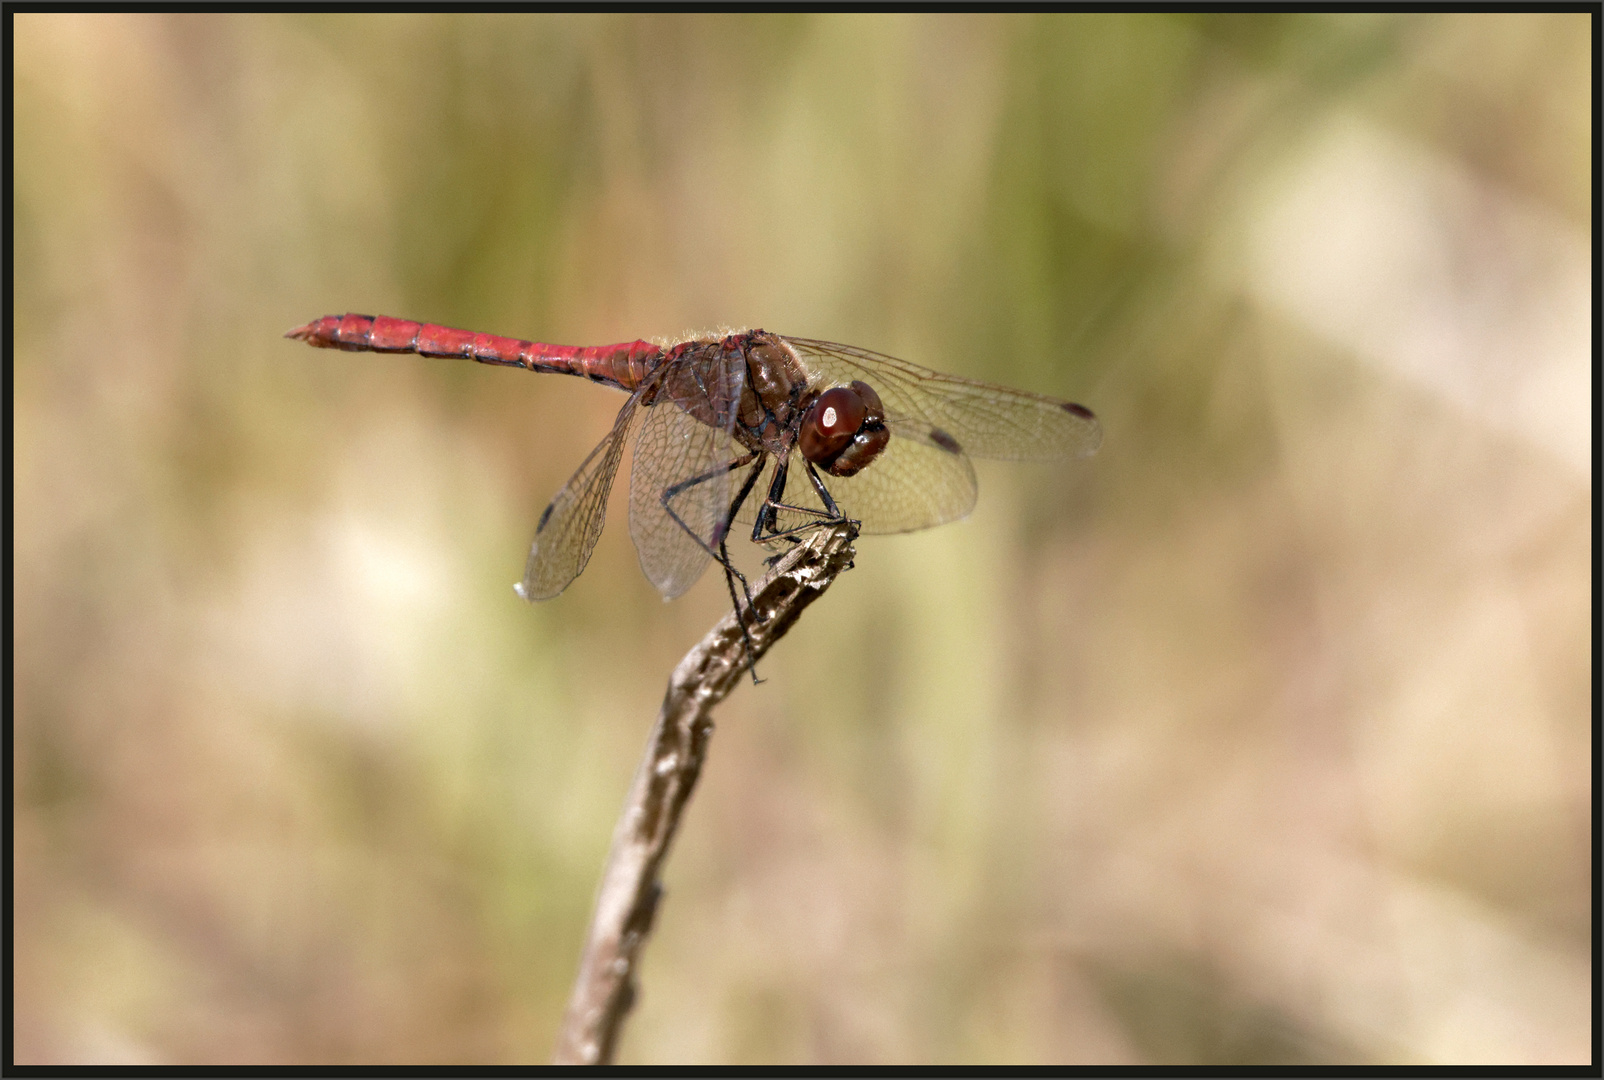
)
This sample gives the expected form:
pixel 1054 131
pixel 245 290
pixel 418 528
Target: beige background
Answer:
pixel 1263 737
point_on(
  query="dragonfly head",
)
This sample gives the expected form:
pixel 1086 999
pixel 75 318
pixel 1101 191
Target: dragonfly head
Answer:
pixel 844 429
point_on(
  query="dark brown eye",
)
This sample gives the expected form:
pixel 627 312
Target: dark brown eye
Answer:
pixel 830 423
pixel 874 412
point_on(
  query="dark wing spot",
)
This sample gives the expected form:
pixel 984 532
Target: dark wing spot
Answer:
pixel 545 515
pixel 945 441
pixel 1078 410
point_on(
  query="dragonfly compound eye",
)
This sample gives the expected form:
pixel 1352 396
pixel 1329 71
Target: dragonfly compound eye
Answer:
pixel 874 412
pixel 829 425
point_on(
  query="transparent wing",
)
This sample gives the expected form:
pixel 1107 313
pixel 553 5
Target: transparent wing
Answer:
pixel 914 484
pixel 672 450
pixel 572 523
pixel 983 419
pixel 684 454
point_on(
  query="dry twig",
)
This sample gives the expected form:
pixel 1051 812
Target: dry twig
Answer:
pixel 627 899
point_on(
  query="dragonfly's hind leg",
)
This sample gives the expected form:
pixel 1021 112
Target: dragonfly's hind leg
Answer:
pixel 721 554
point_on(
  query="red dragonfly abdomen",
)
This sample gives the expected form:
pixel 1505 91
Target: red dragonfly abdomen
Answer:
pixel 624 365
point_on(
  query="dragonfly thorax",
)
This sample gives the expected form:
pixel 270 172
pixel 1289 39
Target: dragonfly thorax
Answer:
pixel 774 395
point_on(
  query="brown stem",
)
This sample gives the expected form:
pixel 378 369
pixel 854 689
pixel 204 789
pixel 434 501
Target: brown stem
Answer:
pixel 627 899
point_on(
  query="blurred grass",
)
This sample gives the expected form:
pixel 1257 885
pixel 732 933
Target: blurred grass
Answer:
pixel 1260 738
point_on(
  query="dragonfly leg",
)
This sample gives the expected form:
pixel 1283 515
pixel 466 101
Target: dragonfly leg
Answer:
pixel 824 492
pixel 722 555
pixel 776 489
pixel 721 531
pixel 730 573
pixel 793 535
pixel 766 530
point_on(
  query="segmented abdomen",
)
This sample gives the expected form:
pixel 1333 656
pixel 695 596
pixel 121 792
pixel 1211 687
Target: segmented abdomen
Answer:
pixel 624 365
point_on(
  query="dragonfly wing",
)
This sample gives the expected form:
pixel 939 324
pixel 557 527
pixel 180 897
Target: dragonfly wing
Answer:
pixel 915 483
pixel 572 523
pixel 680 480
pixel 982 419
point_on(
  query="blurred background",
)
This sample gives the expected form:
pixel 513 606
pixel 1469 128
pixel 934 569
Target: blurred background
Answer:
pixel 1261 737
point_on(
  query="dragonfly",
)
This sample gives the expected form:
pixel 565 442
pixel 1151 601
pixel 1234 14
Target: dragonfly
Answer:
pixel 827 432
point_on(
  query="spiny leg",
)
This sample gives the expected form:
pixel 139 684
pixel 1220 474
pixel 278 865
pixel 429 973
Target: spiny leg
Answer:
pixel 721 532
pixel 702 478
pixel 824 493
pixel 829 503
pixel 730 572
pixel 766 512
pixel 830 513
pixel 776 489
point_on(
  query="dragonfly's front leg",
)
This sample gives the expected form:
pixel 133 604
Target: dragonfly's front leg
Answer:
pixel 824 493
pixel 766 530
